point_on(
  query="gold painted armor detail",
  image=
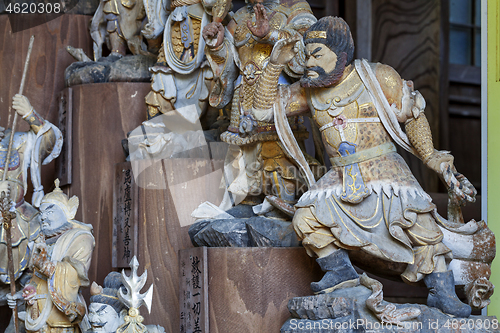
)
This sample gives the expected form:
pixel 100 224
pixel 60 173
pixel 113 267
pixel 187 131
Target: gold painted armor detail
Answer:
pixel 253 51
pixel 177 44
pixel 180 3
pixel 391 84
pixel 35 121
pixel 349 100
pixel 267 87
pixel 420 136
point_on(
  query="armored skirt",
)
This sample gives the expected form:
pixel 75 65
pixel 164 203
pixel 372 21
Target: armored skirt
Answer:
pixel 395 222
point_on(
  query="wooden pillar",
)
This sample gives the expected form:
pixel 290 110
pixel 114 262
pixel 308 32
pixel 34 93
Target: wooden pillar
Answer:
pixel 406 36
pixel 103 114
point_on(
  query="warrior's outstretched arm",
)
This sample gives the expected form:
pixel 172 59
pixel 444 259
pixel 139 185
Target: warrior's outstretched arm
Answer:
pixel 408 106
pixel 266 92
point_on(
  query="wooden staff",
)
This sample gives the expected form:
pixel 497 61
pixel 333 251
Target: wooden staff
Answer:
pixel 14 123
pixel 7 216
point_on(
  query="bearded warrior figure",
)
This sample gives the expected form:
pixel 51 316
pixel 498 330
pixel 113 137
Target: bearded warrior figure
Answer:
pixel 369 206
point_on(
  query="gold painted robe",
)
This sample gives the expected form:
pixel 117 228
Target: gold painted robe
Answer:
pixel 72 253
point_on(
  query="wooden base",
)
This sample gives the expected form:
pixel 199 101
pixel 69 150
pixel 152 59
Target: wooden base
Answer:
pixel 247 289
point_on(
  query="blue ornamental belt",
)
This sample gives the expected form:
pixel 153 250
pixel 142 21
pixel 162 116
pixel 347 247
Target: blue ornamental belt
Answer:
pixel 354 188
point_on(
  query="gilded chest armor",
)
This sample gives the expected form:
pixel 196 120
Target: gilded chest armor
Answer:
pixel 346 113
pixel 253 54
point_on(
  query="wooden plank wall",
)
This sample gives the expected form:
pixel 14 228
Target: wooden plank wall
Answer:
pixel 249 288
pixel 103 114
pixel 464 116
pixel 406 36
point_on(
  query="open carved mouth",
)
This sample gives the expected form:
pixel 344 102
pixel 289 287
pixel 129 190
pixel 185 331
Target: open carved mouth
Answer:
pixel 312 74
pixel 97 326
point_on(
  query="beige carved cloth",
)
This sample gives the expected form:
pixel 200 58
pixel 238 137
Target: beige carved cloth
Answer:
pixel 72 253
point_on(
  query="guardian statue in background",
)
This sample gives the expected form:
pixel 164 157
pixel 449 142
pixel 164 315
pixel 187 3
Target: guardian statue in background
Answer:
pixel 238 55
pixel 30 150
pixel 181 77
pixel 118 23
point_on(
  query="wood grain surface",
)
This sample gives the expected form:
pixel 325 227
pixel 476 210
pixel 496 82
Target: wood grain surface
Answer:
pixel 103 114
pixel 249 288
pixel 49 59
pixel 406 36
pixel 160 239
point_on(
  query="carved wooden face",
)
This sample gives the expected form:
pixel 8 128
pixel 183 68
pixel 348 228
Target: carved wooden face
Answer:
pixel 103 318
pixel 319 55
pixel 52 216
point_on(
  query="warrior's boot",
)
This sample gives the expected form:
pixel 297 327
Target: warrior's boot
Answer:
pixel 339 273
pixel 442 294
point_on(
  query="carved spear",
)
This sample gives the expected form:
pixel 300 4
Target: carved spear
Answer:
pixel 133 299
pixel 8 216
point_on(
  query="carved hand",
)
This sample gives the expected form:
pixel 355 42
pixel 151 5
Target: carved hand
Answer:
pixel 21 104
pixel 12 300
pixel 284 50
pixel 28 293
pixel 457 184
pixel 261 27
pixel 39 258
pixel 75 311
pixel 213 34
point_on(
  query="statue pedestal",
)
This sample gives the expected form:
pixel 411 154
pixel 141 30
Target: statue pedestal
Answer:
pixel 244 290
pixel 349 311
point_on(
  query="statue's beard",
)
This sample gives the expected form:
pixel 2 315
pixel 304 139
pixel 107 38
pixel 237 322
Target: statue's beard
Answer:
pixel 49 232
pixel 324 79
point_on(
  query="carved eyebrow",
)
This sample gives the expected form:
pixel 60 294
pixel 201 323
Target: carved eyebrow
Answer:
pixel 51 206
pixel 101 308
pixel 319 48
